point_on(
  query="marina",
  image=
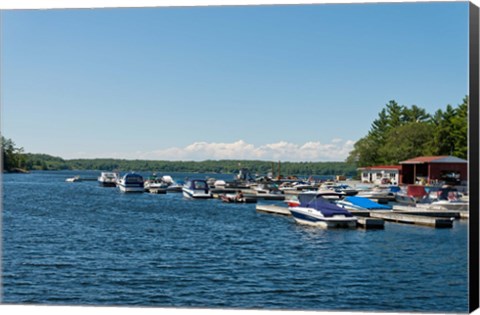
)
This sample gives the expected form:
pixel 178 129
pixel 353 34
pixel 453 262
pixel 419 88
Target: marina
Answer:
pixel 328 204
pixel 147 243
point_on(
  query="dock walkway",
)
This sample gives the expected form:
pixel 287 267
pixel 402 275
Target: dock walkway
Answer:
pixel 400 217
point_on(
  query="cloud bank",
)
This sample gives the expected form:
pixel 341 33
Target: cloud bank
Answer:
pixel 336 150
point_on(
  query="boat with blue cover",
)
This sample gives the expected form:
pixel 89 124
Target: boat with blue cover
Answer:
pixel 196 189
pixel 313 209
pixel 361 203
pixel 131 182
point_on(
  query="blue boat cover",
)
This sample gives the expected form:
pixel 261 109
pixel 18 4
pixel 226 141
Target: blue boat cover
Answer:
pixel 394 189
pixel 326 208
pixel 366 203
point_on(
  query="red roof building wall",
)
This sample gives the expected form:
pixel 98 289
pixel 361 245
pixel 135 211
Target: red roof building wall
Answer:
pixel 433 170
pixel 436 170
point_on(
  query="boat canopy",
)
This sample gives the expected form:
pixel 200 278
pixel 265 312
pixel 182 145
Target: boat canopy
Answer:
pixel 133 178
pixel 366 203
pixel 318 203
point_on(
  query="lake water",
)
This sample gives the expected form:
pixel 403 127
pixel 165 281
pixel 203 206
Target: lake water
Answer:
pixel 82 244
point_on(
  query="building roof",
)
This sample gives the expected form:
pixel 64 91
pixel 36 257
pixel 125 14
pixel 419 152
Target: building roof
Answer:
pixel 434 159
pixel 381 167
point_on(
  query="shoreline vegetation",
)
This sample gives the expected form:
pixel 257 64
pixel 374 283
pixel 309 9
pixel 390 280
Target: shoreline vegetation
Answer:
pixel 399 133
pixel 36 162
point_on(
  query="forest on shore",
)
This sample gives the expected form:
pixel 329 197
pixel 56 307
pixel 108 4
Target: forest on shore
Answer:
pixel 398 133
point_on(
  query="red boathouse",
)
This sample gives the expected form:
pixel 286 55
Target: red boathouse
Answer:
pixel 430 169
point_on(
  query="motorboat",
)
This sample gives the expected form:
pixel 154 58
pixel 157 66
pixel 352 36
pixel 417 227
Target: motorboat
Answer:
pixel 446 197
pixel 196 189
pixel 348 190
pixel 173 186
pixel 296 186
pixel 267 191
pixel 381 194
pixel 156 185
pixel 236 198
pixel 108 179
pixel 360 203
pixel 313 209
pixel 73 179
pixel 412 195
pixel 131 182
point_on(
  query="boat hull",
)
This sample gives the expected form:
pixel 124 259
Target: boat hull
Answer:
pixel 192 194
pixel 107 184
pixel 131 189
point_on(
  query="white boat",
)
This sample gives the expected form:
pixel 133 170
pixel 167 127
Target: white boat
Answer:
pixel 155 185
pixel 412 195
pixel 383 194
pixel 267 191
pixel 173 186
pixel 447 198
pixel 196 189
pixel 314 210
pixel 73 179
pixel 131 182
pixel 108 179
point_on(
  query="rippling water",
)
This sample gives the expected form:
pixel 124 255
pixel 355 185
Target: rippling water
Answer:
pixel 82 244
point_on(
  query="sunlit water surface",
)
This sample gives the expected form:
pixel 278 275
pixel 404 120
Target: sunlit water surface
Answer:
pixel 82 244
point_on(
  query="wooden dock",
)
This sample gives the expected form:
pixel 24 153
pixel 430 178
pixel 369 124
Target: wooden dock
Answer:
pixel 413 219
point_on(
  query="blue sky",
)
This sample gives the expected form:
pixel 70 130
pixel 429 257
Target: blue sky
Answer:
pixel 297 82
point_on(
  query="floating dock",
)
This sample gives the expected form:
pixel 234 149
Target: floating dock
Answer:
pixel 428 212
pixel 413 219
pixel 370 223
pixel 273 209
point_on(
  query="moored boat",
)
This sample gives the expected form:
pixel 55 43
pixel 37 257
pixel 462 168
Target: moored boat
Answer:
pixel 412 195
pixel 313 209
pixel 156 185
pixel 73 179
pixel 131 182
pixel 108 179
pixel 236 198
pixel 196 189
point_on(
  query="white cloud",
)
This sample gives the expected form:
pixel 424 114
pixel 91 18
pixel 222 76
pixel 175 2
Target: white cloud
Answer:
pixel 312 151
pixel 336 150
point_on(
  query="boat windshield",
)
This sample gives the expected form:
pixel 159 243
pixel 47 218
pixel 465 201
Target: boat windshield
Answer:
pixel 199 185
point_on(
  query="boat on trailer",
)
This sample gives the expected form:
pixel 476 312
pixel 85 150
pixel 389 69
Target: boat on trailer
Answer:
pixel 317 211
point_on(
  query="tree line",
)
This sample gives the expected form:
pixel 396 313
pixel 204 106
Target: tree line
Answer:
pixel 400 133
pixel 210 166
pixel 30 161
pixel 12 157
